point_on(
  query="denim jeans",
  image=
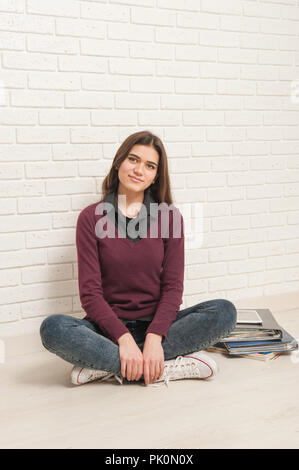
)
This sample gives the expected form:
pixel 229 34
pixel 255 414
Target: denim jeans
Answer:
pixel 82 343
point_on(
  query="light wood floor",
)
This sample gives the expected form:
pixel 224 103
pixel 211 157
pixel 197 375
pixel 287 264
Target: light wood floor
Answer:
pixel 249 404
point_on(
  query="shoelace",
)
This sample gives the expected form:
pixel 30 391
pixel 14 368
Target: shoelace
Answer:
pixel 187 369
pixel 185 366
pixel 106 377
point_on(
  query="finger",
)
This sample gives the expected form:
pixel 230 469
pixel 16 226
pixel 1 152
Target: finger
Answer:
pixel 161 369
pixel 129 370
pixel 146 373
pixel 152 371
pixel 139 373
pixel 157 374
pixel 123 368
pixel 134 370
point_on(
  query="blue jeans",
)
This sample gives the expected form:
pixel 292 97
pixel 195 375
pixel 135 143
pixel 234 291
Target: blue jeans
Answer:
pixel 82 343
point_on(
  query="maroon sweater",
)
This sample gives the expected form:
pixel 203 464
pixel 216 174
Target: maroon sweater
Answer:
pixel 119 278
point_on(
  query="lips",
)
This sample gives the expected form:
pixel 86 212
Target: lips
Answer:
pixel 137 180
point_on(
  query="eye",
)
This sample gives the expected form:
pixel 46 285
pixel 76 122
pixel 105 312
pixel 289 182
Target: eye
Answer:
pixel 152 167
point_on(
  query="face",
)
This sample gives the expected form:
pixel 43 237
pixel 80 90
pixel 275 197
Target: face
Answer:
pixel 141 163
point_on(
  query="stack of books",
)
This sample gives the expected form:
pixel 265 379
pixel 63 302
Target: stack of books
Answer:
pixel 257 335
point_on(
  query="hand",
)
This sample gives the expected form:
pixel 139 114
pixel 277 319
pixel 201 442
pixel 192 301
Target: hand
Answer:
pixel 153 358
pixel 131 357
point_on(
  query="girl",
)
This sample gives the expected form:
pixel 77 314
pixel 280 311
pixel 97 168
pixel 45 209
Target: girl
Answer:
pixel 131 282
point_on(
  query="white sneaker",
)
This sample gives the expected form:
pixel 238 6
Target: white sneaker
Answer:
pixel 192 366
pixel 81 375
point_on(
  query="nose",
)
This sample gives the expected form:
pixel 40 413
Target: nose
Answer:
pixel 137 170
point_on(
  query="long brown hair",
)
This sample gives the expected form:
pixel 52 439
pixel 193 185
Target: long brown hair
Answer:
pixel 160 189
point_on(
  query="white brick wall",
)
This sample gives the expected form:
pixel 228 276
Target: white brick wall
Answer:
pixel 217 80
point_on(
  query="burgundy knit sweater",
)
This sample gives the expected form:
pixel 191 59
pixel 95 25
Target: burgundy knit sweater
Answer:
pixel 119 278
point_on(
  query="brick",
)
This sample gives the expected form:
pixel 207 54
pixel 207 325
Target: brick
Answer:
pixel 203 118
pixel 151 51
pixel 105 83
pixel 267 220
pixel 93 135
pixel 218 39
pixel 131 66
pixel 195 53
pixel 219 70
pixel 243 118
pixel 54 81
pixel 198 86
pixel 41 205
pixel 26 61
pixel 245 179
pixel 24 153
pixel 110 118
pixel 190 69
pixel 70 186
pixel 264 133
pixel 15 6
pixel 205 180
pixel 36 99
pixel 233 87
pixel 231 7
pixel 88 100
pixel 11 41
pixel 64 117
pixel 155 17
pixel 269 191
pixel 16 117
pixel 26 24
pixel 141 101
pixel 42 135
pixel 11 171
pixel 129 32
pixel 229 23
pixel 198 20
pixel 249 207
pixel 67 8
pixel 11 79
pixel 80 28
pixel 106 12
pixel 7 135
pixel 51 170
pixel 237 55
pixel 76 152
pixel 9 206
pixel 231 282
pixel 45 44
pixel 225 134
pixel 101 47
pixel 82 64
pixel 178 5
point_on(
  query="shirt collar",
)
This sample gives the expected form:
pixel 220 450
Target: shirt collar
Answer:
pixel 148 199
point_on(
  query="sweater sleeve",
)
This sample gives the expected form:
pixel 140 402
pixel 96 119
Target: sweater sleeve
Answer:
pixel 90 279
pixel 172 281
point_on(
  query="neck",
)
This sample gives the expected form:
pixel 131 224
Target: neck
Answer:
pixel 129 202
